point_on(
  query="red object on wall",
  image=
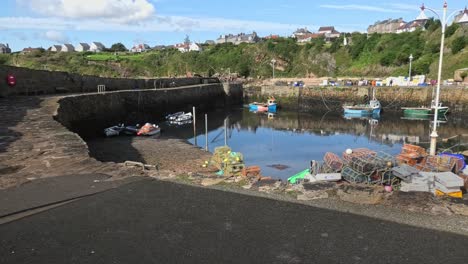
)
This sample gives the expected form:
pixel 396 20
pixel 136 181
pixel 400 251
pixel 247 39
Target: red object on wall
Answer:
pixel 11 80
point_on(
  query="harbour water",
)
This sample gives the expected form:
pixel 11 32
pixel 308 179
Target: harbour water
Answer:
pixel 285 143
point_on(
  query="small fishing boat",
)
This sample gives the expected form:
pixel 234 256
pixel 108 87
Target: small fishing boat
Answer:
pixel 174 115
pixel 372 108
pixel 269 106
pixel 114 130
pixel 425 111
pixel 149 130
pixel 183 117
pixel 131 130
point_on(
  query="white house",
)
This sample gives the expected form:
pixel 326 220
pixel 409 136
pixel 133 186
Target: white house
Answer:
pixel 55 48
pixel 67 48
pixel 329 32
pixel 140 48
pixel 185 47
pixel 96 47
pixel 81 47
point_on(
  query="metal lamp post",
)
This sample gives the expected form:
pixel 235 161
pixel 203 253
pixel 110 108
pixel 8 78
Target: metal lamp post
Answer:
pixel 409 74
pixel 443 21
pixel 273 61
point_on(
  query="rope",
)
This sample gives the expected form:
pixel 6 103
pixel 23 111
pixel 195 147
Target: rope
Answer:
pixel 323 100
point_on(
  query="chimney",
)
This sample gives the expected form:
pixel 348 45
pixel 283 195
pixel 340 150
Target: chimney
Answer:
pixel 7 45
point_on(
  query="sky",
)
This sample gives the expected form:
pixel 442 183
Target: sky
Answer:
pixel 42 23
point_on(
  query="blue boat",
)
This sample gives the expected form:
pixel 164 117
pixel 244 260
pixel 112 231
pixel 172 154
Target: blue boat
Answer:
pixel 270 106
pixel 373 108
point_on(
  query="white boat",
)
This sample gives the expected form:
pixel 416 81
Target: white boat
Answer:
pixel 174 116
pixel 184 117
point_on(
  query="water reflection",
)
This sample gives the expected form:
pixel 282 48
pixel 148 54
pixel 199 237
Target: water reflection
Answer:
pixel 293 139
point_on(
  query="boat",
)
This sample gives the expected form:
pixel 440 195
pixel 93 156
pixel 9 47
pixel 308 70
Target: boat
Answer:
pixel 372 108
pixel 131 130
pixel 114 130
pixel 174 115
pixel 269 106
pixel 183 117
pixel 149 130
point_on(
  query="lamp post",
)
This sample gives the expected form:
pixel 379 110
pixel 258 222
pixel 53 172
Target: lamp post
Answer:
pixel 409 74
pixel 273 61
pixel 435 106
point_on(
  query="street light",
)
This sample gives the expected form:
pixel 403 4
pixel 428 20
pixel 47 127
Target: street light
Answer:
pixel 443 21
pixel 273 61
pixel 410 61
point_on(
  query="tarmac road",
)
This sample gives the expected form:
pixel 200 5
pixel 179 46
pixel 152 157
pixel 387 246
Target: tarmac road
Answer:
pixel 161 222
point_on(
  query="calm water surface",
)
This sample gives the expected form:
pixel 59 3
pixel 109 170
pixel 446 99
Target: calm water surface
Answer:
pixel 294 139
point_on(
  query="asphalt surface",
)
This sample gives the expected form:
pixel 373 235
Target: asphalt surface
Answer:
pixel 47 191
pixel 160 222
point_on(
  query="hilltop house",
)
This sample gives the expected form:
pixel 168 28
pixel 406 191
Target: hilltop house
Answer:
pixel 29 50
pixel 386 26
pixel 210 42
pixel 187 47
pixel 300 33
pixel 418 23
pixel 81 47
pixel 96 47
pixel 55 48
pixel 140 48
pixel 4 48
pixel 329 32
pixel 308 37
pixel 239 38
pixel 462 17
pixel 271 37
pixel 67 48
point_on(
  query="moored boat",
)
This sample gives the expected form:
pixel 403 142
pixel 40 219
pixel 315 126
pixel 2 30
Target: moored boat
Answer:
pixel 270 106
pixel 114 130
pixel 149 130
pixel 373 108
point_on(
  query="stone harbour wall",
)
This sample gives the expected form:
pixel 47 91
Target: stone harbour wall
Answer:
pixel 324 98
pixel 36 82
pixel 105 109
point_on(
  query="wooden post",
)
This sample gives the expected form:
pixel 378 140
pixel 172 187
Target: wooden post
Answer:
pixel 194 126
pixel 206 132
pixel 225 132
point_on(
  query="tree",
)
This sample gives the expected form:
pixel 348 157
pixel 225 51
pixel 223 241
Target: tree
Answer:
pixel 187 40
pixel 458 44
pixel 118 47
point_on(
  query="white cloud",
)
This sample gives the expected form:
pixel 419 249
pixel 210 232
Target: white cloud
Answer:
pixel 157 24
pixel 55 36
pixel 121 11
pixel 362 8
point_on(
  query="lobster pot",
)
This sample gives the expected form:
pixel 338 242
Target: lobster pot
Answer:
pixel 353 176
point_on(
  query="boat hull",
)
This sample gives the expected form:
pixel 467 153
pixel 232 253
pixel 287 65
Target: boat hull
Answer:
pixel 417 111
pixel 262 108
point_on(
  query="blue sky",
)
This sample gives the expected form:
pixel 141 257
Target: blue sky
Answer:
pixel 35 23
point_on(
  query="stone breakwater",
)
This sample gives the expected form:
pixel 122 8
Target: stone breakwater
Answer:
pixel 324 98
pixel 37 82
pixel 35 140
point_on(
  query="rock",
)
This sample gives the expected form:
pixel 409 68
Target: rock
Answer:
pixel 361 194
pixel 441 210
pixel 211 181
pixel 308 196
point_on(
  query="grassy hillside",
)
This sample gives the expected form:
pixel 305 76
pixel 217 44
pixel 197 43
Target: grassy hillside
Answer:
pixel 376 55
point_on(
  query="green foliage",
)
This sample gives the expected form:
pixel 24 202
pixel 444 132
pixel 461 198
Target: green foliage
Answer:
pixel 451 30
pixel 118 47
pixel 458 44
pixel 375 55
